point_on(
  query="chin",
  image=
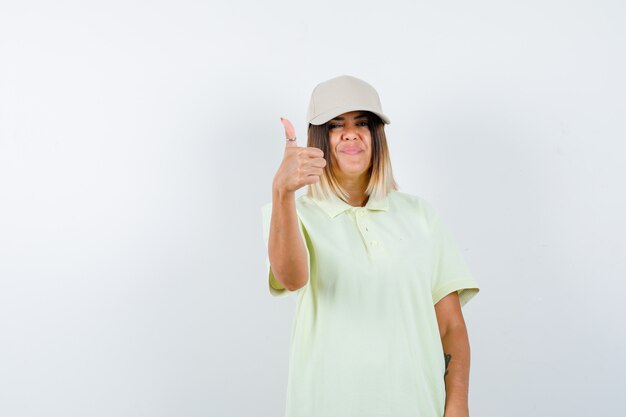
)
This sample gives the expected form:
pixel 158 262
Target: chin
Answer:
pixel 354 172
pixel 354 169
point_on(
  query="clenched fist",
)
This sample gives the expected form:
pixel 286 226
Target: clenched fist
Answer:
pixel 300 165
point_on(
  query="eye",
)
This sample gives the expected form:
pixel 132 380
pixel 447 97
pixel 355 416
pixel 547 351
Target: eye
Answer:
pixel 363 124
pixel 332 126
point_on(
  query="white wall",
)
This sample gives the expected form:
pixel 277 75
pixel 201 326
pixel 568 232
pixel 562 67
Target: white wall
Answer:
pixel 138 141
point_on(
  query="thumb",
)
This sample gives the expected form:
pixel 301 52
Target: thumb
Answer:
pixel 290 132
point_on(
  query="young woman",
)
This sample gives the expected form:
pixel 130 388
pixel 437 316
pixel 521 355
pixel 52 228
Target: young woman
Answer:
pixel 378 329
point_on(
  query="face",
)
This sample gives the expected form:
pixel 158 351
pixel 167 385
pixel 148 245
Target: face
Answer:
pixel 350 141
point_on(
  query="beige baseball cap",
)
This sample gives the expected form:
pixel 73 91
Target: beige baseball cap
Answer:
pixel 340 95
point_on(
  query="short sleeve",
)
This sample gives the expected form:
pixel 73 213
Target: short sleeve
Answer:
pixel 450 272
pixel 275 288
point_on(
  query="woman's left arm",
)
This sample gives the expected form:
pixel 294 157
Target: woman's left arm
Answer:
pixel 457 354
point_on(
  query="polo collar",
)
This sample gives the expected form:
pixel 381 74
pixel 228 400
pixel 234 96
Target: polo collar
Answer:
pixel 334 207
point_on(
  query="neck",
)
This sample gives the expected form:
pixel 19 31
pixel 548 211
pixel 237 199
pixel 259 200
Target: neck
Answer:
pixel 355 187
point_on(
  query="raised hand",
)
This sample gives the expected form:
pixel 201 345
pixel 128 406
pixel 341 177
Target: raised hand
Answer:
pixel 300 165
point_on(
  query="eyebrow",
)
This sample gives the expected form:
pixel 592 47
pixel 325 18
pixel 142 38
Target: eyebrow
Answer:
pixel 359 116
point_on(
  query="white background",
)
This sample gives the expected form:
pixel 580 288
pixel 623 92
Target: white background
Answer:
pixel 139 139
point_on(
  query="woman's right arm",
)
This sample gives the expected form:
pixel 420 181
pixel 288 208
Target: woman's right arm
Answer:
pixel 287 254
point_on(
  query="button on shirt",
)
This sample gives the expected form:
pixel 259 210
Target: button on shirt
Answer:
pixel 365 340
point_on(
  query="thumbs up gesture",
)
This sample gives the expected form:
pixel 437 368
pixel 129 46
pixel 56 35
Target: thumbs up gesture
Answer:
pixel 300 165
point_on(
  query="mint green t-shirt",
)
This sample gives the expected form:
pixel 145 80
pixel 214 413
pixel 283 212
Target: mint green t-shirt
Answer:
pixel 364 338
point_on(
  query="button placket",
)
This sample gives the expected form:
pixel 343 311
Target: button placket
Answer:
pixel 361 220
pixel 373 246
pixel 363 223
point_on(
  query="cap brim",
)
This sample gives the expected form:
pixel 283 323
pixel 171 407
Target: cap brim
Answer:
pixel 322 118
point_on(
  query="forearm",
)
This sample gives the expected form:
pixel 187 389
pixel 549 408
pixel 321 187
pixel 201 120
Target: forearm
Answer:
pixel 286 251
pixel 457 352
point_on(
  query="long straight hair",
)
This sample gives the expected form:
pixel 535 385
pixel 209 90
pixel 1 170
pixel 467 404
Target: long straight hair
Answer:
pixel 381 181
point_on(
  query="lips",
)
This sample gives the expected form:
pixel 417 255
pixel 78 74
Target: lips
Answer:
pixel 351 151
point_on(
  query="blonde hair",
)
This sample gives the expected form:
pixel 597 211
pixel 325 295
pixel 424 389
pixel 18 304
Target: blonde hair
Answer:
pixel 381 180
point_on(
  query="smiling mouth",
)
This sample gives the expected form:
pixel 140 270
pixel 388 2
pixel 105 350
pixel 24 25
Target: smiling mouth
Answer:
pixel 352 151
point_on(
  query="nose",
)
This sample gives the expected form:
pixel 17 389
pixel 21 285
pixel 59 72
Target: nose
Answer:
pixel 349 133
